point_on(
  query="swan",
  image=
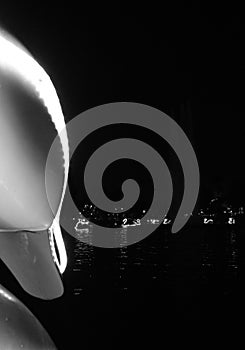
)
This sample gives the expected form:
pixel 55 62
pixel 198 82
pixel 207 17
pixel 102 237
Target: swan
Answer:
pixel 30 118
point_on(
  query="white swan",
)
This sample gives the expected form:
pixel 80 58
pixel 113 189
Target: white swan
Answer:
pixel 19 328
pixel 30 118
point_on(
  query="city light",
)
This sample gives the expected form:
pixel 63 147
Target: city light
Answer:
pixel 208 221
pixel 231 221
pixel 216 213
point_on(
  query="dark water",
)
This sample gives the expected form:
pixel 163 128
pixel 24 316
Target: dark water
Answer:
pixel 184 289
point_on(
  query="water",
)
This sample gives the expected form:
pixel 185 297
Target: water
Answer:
pixel 161 287
pixel 194 276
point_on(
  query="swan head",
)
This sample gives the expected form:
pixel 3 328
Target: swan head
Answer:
pixel 31 243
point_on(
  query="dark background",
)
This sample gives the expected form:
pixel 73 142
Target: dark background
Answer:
pixel 185 59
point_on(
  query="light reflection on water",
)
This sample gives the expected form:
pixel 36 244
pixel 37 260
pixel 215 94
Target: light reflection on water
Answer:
pixel 220 256
pixel 153 262
pixel 83 257
pixel 126 264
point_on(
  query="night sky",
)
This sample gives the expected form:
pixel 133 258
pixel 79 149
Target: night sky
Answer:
pixel 187 61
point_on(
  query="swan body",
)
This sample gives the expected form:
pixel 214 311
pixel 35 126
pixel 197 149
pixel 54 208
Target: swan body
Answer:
pixel 30 119
pixel 19 328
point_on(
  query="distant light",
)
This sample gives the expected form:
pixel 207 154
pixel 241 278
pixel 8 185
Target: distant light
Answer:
pixel 135 223
pixel 231 221
pixel 208 221
pixel 154 221
pixel 81 222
